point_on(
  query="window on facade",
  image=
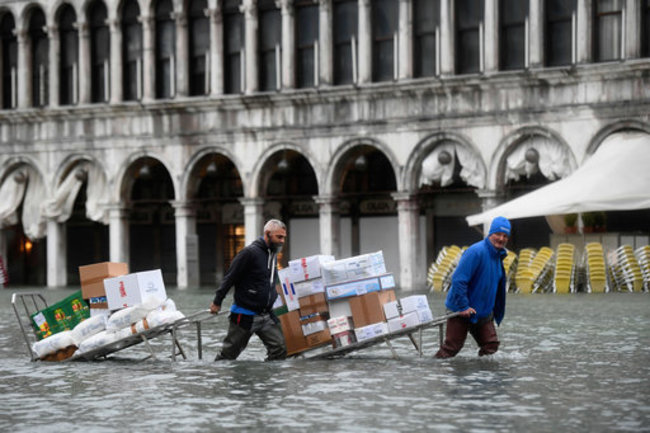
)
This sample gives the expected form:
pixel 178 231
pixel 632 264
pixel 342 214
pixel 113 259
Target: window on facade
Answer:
pixel 131 51
pixel 39 55
pixel 384 35
pixel 199 29
pixel 165 50
pixel 608 17
pixel 345 29
pixel 306 43
pixel 69 40
pixel 469 21
pixel 426 24
pixel 99 52
pixel 513 15
pixel 233 30
pixel 559 43
pixel 9 61
pixel 270 33
pixel 645 28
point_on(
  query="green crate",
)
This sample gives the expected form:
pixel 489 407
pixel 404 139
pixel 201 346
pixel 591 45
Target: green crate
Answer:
pixel 61 316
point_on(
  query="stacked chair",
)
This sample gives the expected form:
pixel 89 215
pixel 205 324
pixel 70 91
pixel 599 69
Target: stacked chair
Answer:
pixel 627 272
pixel 524 275
pixel 542 270
pixel 440 272
pixel 643 257
pixel 564 278
pixel 510 267
pixel 595 268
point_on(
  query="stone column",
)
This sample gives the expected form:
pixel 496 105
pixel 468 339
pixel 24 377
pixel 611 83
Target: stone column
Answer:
pixel 55 60
pixel 410 259
pixel 536 32
pixel 405 39
pixel 187 245
pixel 84 76
pixel 330 224
pixel 447 38
pixel 148 58
pixel 489 200
pixel 288 44
pixel 249 9
pixel 632 26
pixel 24 72
pixel 118 228
pixel 216 50
pixel 490 49
pixel 583 31
pixel 253 218
pixel 116 89
pixel 56 254
pixel 182 55
pixel 325 43
pixel 364 54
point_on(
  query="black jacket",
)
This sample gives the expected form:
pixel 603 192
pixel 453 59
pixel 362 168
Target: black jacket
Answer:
pixel 253 272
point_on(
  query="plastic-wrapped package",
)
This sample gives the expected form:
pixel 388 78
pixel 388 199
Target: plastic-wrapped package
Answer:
pixel 88 328
pixel 157 317
pixel 126 316
pixel 53 343
pixel 98 340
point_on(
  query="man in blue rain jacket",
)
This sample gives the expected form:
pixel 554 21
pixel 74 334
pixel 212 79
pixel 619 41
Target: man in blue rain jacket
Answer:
pixel 478 293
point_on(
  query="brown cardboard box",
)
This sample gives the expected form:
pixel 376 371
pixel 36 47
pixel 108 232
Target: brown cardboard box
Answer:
pixel 316 303
pixel 292 330
pixel 368 309
pixel 92 277
pixel 319 338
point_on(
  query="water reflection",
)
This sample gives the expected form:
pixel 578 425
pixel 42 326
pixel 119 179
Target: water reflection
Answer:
pixel 556 371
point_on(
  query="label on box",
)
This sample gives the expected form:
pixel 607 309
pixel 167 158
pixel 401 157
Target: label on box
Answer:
pixel 371 331
pixel 408 320
pixel 354 268
pixel 313 327
pixel 307 268
pixel 424 315
pixel 414 302
pixel 132 289
pixel 310 287
pixel 353 288
pixel 387 282
pixel 288 290
pixel 339 324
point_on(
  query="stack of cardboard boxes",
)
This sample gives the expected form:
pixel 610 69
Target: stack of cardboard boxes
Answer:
pixel 339 302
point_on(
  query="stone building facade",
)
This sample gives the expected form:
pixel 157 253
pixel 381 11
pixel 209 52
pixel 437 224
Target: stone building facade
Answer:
pixel 163 133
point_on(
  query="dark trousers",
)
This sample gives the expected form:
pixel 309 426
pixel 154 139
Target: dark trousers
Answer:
pixel 484 333
pixel 265 327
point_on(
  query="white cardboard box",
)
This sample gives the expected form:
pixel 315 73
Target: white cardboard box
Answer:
pixel 424 315
pixel 371 331
pixel 309 287
pixel 407 320
pixel 131 289
pixel 339 324
pixel 360 287
pixel 354 268
pixel 288 290
pixel 405 305
pixel 307 268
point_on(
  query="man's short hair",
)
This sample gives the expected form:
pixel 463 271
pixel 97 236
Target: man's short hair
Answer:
pixel 274 224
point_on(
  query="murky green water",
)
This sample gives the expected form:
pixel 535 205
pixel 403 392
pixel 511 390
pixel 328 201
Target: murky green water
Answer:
pixel 577 363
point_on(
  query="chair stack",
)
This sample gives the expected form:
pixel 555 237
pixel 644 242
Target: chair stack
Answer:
pixel 630 275
pixel 441 271
pixel 564 278
pixel 510 267
pixel 643 257
pixel 542 269
pixel 524 275
pixel 596 271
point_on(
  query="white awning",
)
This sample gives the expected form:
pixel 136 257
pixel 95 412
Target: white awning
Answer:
pixel 616 177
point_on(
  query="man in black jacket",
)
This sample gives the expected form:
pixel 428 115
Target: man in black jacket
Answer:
pixel 253 272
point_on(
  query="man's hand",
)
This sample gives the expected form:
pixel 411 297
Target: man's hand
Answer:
pixel 468 312
pixel 214 309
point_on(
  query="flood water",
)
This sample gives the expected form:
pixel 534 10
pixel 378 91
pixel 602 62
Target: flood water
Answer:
pixel 578 363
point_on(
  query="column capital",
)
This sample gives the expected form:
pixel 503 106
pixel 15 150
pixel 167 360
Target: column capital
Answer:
pixel 249 9
pixel 326 199
pixel 83 28
pixel 183 208
pixel 147 21
pixel 251 201
pixel 114 24
pixel 117 210
pixel 325 5
pixel 403 196
pixel 180 18
pixel 214 14
pixel 22 35
pixel 51 31
pixel 286 6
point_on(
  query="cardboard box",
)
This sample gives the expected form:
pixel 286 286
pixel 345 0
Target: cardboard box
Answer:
pixel 92 277
pixel 313 327
pixel 360 287
pixel 339 324
pixel 424 315
pixel 288 290
pixel 131 289
pixel 313 304
pixel 340 307
pixel 408 320
pixel 343 339
pixel 307 268
pixel 292 330
pixel 60 316
pixel 319 339
pixel 405 305
pixel 309 287
pixel 354 268
pixel 369 308
pixel 371 331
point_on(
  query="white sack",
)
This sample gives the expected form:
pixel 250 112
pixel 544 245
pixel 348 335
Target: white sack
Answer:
pixel 125 317
pixel 88 328
pixel 98 340
pixel 53 343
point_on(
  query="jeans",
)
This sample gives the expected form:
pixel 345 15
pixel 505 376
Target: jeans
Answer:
pixel 484 333
pixel 267 329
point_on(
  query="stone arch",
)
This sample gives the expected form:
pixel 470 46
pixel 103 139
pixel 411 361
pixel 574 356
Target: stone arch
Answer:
pixel 52 14
pixel 257 178
pixel 122 184
pixel 431 144
pixel 26 14
pixel 335 168
pixel 497 170
pixel 621 125
pixel 186 181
